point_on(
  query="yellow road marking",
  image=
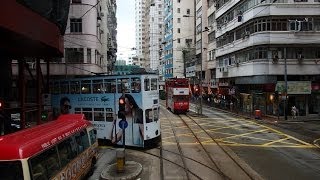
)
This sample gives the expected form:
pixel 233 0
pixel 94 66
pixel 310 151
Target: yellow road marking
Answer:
pixel 239 135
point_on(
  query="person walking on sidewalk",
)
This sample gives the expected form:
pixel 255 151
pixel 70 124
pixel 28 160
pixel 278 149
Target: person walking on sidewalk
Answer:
pixel 294 112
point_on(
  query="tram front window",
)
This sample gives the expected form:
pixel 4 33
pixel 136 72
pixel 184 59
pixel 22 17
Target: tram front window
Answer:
pixel 11 170
pixel 180 98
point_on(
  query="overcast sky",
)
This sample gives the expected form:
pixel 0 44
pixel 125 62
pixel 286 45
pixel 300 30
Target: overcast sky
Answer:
pixel 126 27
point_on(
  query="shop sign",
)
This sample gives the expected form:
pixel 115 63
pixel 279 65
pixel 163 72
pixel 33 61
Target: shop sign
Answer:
pixel 295 87
pixel 223 84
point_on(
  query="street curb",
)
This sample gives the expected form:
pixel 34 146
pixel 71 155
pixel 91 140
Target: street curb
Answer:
pixel 132 171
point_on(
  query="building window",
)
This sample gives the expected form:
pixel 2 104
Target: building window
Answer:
pixel 74 55
pixel 178 40
pixel 178 10
pixel 179 20
pixel 76 1
pixel 188 11
pixel 178 1
pixel 88 55
pixel 178 30
pixel 75 25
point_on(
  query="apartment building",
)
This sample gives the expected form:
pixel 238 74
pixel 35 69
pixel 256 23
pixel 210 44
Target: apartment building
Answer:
pixel 90 44
pixel 265 47
pixel 90 40
pixel 140 29
pixel 178 37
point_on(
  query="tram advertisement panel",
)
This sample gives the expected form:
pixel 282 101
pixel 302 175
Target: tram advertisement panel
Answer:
pixel 134 122
pixel 98 108
pixel 101 109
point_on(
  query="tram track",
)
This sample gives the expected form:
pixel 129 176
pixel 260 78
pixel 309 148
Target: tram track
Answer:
pixel 215 168
pixel 216 142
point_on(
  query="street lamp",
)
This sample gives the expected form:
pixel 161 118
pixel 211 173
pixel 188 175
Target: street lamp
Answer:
pixel 201 52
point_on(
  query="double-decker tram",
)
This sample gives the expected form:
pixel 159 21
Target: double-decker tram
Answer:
pixel 177 94
pixel 62 149
pixel 98 98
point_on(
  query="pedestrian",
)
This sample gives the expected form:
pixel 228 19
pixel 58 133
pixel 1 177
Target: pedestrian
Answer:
pixel 231 106
pixel 294 112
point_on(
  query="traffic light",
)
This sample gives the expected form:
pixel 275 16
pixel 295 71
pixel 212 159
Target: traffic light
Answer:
pixel 122 108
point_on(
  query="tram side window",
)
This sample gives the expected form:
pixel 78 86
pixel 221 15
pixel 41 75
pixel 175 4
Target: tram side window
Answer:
pixel 147 84
pixel 154 84
pixel 99 114
pixel 135 85
pixel 45 165
pixel 77 111
pixel 149 115
pixel 75 87
pixel 123 85
pixel 87 113
pixel 64 87
pixel 110 85
pixel 109 115
pixel 156 114
pixel 97 86
pixel 93 136
pixel 86 87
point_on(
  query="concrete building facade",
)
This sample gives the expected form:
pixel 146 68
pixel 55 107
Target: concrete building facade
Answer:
pixel 178 35
pixel 266 48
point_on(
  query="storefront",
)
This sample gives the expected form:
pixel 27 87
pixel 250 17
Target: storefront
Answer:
pixel 299 93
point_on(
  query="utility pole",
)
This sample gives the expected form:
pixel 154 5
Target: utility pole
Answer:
pixel 285 84
pixel 200 90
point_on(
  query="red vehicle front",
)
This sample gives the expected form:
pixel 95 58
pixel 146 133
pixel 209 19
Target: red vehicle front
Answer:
pixel 177 95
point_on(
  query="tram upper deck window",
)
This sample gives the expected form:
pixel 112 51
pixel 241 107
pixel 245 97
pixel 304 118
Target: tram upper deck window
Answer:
pixel 97 86
pixel 55 87
pixel 64 87
pixel 86 87
pixel 110 85
pixel 154 84
pixel 75 87
pixel 135 85
pixel 123 85
pixel 147 84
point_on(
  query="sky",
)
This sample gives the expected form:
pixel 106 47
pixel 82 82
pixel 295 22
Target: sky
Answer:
pixel 126 27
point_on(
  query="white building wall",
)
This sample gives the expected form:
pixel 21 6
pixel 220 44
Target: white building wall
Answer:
pixel 286 8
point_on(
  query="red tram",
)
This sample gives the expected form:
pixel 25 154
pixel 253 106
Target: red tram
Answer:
pixel 177 94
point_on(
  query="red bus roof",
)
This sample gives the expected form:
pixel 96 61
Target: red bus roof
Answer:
pixel 27 142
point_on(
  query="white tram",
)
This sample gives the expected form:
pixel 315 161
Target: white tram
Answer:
pixel 98 98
